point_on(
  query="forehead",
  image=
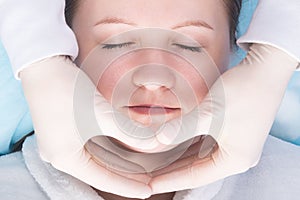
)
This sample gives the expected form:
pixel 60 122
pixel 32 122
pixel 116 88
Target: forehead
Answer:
pixel 154 13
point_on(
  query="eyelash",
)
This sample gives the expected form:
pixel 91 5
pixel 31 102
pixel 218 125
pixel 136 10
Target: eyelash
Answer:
pixel 190 48
pixel 115 46
pixel 126 44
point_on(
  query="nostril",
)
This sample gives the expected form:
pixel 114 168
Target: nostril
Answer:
pixel 153 77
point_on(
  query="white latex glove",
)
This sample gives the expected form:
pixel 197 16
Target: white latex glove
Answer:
pixel 49 87
pixel 253 91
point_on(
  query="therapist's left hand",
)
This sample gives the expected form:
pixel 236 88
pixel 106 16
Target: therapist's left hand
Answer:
pixel 252 92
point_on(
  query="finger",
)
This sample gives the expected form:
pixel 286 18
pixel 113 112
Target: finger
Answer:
pixel 139 177
pixel 111 160
pixel 117 164
pixel 179 164
pixel 217 166
pixel 199 151
pixel 200 173
pixel 203 146
pixel 88 171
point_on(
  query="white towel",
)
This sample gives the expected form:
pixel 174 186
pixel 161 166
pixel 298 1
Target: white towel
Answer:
pixel 57 185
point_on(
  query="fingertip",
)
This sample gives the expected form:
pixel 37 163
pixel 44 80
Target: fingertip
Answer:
pixel 138 192
pixel 146 193
pixel 157 187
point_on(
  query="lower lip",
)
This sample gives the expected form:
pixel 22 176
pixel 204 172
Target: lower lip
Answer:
pixel 147 110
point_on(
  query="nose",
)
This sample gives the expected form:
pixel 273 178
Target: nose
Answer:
pixel 154 76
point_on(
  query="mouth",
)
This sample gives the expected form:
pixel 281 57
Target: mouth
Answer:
pixel 153 109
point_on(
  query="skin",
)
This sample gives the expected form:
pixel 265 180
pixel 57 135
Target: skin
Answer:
pixel 212 34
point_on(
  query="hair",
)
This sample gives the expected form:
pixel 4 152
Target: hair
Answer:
pixel 70 10
pixel 233 8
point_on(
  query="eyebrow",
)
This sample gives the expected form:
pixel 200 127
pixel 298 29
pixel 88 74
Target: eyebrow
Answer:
pixel 116 20
pixel 198 23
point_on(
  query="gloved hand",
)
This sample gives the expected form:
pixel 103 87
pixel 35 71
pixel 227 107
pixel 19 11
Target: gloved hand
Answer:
pixel 49 89
pixel 253 91
pixel 51 104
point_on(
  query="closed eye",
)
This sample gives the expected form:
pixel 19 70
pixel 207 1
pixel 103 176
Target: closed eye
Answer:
pixel 117 46
pixel 190 48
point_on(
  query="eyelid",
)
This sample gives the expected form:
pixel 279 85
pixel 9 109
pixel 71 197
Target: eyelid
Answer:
pixel 192 48
pixel 116 45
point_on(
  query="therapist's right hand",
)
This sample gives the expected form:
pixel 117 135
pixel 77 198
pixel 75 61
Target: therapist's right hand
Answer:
pixel 49 87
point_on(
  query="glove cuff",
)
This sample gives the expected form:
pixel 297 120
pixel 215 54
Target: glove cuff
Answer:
pixel 32 30
pixel 276 23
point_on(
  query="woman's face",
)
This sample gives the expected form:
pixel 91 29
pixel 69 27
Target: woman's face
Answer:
pixel 152 83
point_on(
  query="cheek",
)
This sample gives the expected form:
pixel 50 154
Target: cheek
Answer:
pixel 221 56
pixel 198 85
pixel 221 50
pixel 110 78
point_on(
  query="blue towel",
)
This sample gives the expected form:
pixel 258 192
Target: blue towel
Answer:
pixel 15 120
